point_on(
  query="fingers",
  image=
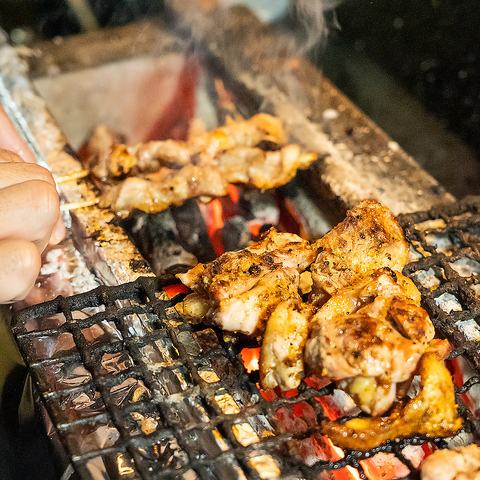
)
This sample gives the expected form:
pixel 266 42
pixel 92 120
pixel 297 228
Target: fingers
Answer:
pixel 11 140
pixel 19 267
pixel 59 232
pixel 7 156
pixel 19 172
pixel 29 211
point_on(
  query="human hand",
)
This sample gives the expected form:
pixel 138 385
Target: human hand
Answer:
pixel 29 212
pixel 11 140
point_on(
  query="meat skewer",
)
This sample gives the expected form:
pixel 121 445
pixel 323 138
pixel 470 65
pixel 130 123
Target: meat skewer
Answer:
pixel 168 186
pixel 109 158
pixel 155 175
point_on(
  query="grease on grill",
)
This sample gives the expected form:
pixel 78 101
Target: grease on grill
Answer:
pixel 135 393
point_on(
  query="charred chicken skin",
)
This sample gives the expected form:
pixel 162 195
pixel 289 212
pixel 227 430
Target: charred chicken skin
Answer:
pixel 244 287
pixel 368 239
pixel 362 326
pixel 234 273
pixel 371 337
pixel 431 412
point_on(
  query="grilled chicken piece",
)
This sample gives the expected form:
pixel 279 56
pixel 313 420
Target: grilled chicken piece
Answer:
pixel 248 312
pixel 462 463
pixel 373 395
pixel 370 336
pixel 234 273
pixel 281 355
pixel 431 412
pixel 119 160
pixel 168 186
pixel 96 154
pixel 195 307
pixel 368 239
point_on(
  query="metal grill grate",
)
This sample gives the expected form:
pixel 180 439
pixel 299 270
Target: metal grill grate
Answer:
pixel 136 393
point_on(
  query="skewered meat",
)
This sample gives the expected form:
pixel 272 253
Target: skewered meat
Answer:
pixel 431 412
pixel 281 355
pixel 168 186
pixel 164 173
pixel 234 273
pixel 248 311
pixel 96 154
pixel 111 159
pixel 463 463
pixel 368 239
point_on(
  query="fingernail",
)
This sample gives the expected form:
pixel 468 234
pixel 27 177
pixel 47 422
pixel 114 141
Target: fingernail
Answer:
pixel 58 233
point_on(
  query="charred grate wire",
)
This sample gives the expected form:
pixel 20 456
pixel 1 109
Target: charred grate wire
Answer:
pixel 135 392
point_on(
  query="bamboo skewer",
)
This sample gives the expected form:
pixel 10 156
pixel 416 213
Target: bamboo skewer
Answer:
pixel 74 205
pixel 72 176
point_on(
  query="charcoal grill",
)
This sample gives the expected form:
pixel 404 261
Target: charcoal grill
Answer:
pixel 134 392
pixel 138 393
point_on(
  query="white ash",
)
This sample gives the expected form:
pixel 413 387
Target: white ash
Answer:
pixel 462 439
pixel 448 303
pixel 442 242
pixel 427 278
pixel 67 263
pixel 83 279
pixel 466 267
pixel 470 329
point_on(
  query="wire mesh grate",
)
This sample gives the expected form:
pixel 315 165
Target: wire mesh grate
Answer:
pixel 136 393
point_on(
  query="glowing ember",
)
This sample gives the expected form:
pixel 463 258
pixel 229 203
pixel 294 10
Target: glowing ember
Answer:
pixel 268 395
pixel 298 418
pixel 384 466
pixel 255 228
pixel 172 290
pixel 315 382
pixel 332 411
pixel 233 193
pixel 417 453
pixel 461 372
pixel 123 467
pixel 347 473
pixel 336 449
pixel 353 473
pixel 250 357
pixel 216 216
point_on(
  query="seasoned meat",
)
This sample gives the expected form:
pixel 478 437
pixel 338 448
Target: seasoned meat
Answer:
pixel 463 463
pixel 97 153
pixel 248 312
pixel 431 412
pixel 368 239
pixel 168 186
pixel 373 395
pixel 371 336
pixel 118 160
pixel 281 355
pixel 234 273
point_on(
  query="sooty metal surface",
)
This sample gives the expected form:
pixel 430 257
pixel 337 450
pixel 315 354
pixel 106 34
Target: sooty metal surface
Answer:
pixel 136 393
